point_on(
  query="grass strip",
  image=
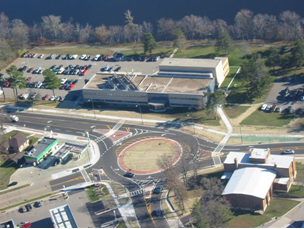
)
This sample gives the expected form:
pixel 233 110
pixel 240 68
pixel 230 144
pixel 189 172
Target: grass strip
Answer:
pixel 15 189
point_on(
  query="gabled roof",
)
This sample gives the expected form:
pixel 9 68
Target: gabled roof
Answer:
pixel 251 181
pixel 17 140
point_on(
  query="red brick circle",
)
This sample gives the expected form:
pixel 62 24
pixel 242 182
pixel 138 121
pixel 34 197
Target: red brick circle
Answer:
pixel 125 151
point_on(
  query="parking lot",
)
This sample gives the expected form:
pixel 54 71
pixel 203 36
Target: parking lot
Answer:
pixel 40 217
pixel 287 94
pixel 144 67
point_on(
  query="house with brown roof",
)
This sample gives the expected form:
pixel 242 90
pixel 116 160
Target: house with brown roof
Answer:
pixel 18 143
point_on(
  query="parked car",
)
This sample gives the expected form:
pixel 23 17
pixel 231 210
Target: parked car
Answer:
pixel 117 69
pixel 268 108
pixel 30 70
pixel 263 107
pixel 46 97
pixel 278 109
pixel 53 98
pixel 63 80
pixel 28 207
pixel 33 96
pixel 7 84
pixel 59 98
pixel 58 57
pixel 40 56
pixel 83 56
pixel 38 204
pixel 299 111
pixel 84 72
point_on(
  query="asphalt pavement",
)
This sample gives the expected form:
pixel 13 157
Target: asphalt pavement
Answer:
pixel 109 163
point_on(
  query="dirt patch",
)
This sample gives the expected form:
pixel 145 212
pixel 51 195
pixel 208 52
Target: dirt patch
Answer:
pixel 144 155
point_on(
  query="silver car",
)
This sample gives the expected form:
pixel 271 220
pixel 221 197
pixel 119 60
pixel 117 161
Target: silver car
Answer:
pixel 288 151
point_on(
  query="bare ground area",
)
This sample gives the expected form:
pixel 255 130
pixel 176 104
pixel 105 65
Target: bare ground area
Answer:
pixel 145 155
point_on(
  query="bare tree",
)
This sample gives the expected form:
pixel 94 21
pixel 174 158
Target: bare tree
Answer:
pixel 101 33
pixel 166 28
pixel 83 33
pixel 4 26
pixel 290 25
pixel 19 34
pixel 243 24
pixel 147 27
pixel 115 34
pixel 6 52
pixel 35 32
pixel 52 26
pixel 195 26
pixel 67 32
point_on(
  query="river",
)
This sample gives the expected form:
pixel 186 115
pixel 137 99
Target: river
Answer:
pixel 111 12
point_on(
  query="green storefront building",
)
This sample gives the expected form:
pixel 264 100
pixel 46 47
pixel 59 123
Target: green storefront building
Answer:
pixel 41 150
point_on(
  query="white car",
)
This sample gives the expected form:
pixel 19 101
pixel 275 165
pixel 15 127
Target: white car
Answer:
pixel 40 56
pixel 53 98
pixel 83 56
pixel 96 57
pixel 288 151
pixel 63 80
pixel 33 96
pixel 73 57
pixel 39 84
pixel 263 107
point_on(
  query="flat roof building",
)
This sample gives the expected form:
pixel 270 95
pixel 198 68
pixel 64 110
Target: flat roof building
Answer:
pixel 62 217
pixel 44 147
pixel 179 83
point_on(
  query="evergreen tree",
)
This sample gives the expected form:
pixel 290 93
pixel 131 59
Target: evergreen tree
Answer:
pixel 224 41
pixel 298 54
pixel 51 80
pixel 274 58
pixel 179 39
pixel 149 43
pixel 16 79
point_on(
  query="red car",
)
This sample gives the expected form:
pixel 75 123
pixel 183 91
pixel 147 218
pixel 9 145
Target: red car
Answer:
pixel 30 55
pixel 84 72
pixel 29 79
pixel 106 57
pixel 46 97
pixel 30 70
pixel 7 84
pixel 71 86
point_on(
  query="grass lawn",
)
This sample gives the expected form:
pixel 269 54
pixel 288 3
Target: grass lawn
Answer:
pixel 229 77
pixel 121 224
pixel 277 207
pixel 300 172
pixel 5 172
pixel 296 190
pixel 234 111
pixel 91 194
pixel 92 50
pixel 200 116
pixel 261 118
pixel 161 51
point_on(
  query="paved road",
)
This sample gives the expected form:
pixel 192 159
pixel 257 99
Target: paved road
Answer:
pixel 197 147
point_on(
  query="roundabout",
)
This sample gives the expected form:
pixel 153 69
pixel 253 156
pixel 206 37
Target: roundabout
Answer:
pixel 143 157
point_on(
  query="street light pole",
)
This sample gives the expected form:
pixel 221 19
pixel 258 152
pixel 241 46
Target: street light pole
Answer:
pixel 241 134
pixel 142 121
pixel 93 107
